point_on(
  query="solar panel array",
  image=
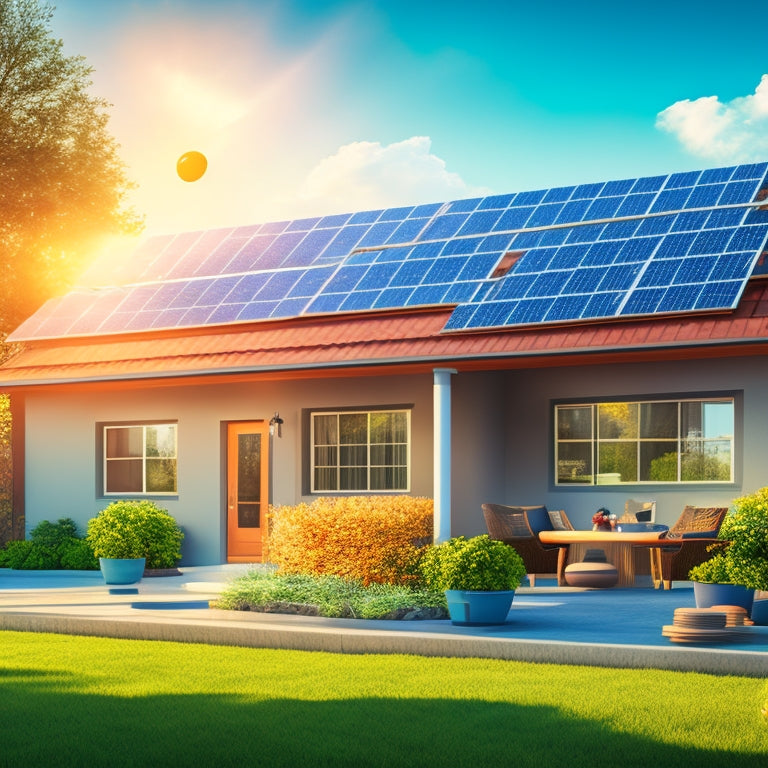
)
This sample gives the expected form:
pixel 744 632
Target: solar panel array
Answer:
pixel 679 243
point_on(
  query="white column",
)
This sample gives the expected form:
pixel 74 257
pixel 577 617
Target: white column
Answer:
pixel 442 451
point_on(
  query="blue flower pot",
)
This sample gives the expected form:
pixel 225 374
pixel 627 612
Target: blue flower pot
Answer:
pixel 122 570
pixel 471 609
pixel 707 595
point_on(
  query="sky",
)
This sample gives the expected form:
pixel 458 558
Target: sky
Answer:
pixel 306 107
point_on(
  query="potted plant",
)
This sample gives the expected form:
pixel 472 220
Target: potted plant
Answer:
pixel 479 576
pixel 742 560
pixel 129 536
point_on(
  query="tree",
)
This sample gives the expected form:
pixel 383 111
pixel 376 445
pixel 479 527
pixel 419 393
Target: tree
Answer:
pixel 62 184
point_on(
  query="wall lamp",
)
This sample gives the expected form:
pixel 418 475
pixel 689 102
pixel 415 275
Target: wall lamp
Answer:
pixel 276 421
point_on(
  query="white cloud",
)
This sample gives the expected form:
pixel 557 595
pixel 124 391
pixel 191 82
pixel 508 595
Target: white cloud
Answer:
pixel 733 131
pixel 367 174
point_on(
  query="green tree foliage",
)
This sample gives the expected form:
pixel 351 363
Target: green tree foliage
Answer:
pixel 62 184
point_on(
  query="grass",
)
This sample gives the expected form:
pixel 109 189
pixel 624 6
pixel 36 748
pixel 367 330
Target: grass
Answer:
pixel 330 596
pixel 84 701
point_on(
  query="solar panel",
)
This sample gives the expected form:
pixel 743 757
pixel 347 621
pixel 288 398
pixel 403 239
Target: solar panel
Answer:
pixel 685 242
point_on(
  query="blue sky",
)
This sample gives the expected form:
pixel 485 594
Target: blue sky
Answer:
pixel 305 107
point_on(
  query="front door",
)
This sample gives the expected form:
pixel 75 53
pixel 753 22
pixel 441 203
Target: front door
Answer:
pixel 247 490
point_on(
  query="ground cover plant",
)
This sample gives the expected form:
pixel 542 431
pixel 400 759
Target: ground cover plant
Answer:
pixel 74 701
pixel 331 596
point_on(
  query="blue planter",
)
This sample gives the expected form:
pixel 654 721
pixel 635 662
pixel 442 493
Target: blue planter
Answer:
pixel 707 595
pixel 470 609
pixel 122 570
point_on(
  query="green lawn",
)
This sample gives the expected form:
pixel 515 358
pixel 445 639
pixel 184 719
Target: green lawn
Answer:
pixel 78 701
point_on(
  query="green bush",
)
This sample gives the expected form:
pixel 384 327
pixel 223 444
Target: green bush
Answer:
pixel 127 529
pixel 746 528
pixel 77 555
pixel 743 555
pixel 716 570
pixel 51 546
pixel 15 554
pixel 479 563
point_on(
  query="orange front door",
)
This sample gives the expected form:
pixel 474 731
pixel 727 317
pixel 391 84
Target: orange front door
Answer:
pixel 247 490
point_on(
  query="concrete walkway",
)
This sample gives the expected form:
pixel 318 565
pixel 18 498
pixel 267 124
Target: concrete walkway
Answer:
pixel 611 627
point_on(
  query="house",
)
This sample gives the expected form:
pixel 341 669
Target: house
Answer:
pixel 573 347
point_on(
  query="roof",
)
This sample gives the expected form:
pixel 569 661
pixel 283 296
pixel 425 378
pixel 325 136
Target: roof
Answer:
pixel 405 342
pixel 685 242
pixel 642 268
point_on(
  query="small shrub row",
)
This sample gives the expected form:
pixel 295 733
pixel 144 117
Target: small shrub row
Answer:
pixel 51 546
pixel 373 539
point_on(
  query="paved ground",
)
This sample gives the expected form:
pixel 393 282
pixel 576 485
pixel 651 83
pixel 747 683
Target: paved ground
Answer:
pixel 611 627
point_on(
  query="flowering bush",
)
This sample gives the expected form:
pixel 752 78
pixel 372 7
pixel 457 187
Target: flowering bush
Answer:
pixel 479 563
pixel 376 539
pixel 127 529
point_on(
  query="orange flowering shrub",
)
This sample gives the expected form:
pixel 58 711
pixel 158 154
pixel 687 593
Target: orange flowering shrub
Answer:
pixel 372 538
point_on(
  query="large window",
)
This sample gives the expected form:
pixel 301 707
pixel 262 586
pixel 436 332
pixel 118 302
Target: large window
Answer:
pixel 660 441
pixel 360 451
pixel 140 459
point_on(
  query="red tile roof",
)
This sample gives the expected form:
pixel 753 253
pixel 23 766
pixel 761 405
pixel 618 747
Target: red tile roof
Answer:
pixel 398 341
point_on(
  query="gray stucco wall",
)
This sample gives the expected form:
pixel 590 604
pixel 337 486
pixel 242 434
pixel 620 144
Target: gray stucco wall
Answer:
pixel 62 460
pixel 501 435
pixel 531 394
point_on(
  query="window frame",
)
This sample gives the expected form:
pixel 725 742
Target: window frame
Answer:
pixel 143 425
pixel 311 413
pixel 594 441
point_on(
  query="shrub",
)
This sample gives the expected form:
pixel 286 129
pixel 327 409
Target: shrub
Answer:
pixel 127 529
pixel 15 554
pixel 77 555
pixel 716 570
pixel 371 538
pixel 479 563
pixel 51 546
pixel 746 528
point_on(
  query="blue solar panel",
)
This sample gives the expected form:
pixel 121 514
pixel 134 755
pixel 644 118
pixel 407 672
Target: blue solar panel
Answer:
pixel 679 243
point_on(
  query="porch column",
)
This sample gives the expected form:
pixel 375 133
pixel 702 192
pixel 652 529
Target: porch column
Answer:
pixel 442 451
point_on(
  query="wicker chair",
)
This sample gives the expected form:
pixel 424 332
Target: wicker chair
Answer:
pixel 519 527
pixel 686 544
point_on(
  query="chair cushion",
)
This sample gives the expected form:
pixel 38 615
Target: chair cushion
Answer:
pixel 538 519
pixel 556 520
pixel 592 574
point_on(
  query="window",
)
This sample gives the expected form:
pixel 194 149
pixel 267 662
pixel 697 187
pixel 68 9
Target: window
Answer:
pixel 140 458
pixel 360 451
pixel 664 441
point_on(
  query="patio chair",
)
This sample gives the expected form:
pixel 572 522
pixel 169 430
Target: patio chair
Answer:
pixel 686 543
pixel 519 527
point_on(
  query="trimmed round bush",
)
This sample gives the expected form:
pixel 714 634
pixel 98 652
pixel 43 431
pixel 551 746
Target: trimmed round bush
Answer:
pixel 478 563
pixel 127 529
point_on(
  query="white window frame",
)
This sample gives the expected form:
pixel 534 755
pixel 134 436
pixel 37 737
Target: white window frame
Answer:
pixel 144 427
pixel 595 440
pixel 338 466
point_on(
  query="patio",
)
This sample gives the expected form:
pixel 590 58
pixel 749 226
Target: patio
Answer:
pixel 610 627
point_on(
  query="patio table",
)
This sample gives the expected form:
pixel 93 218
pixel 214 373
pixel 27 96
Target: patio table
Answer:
pixel 618 546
